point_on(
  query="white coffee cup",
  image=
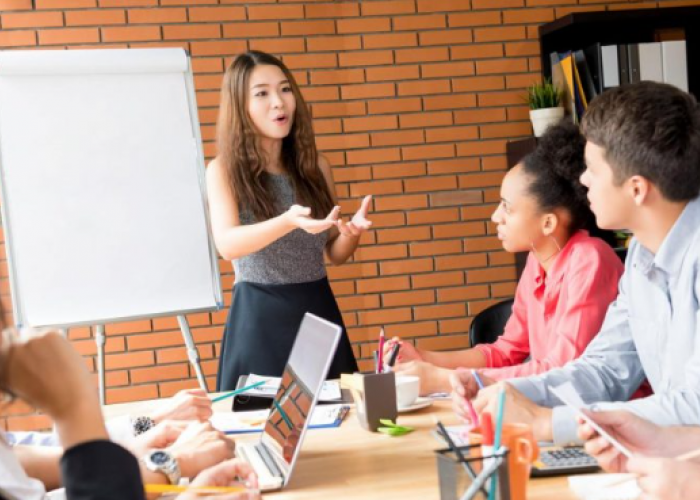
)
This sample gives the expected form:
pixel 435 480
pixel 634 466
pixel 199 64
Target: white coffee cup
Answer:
pixel 407 390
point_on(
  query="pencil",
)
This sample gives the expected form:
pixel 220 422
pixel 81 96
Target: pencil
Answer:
pixel 238 391
pixel 380 363
pixel 197 490
pixel 283 415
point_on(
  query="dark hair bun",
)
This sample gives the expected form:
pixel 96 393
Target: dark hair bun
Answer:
pixel 555 168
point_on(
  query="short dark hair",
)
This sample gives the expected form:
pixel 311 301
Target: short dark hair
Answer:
pixel 649 129
pixel 554 169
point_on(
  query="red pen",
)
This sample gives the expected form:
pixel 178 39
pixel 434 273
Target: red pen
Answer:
pixel 380 362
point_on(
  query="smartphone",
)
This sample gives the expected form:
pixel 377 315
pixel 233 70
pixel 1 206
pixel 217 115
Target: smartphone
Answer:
pixel 563 392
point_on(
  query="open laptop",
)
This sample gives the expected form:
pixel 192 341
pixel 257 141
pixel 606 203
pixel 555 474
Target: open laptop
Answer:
pixel 274 455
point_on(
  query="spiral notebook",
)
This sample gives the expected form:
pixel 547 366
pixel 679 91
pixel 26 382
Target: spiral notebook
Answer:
pixel 605 487
pixel 243 422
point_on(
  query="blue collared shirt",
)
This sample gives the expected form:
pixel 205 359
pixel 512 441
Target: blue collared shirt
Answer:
pixel 652 330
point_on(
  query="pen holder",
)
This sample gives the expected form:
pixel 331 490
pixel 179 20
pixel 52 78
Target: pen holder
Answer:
pixel 375 398
pixel 466 476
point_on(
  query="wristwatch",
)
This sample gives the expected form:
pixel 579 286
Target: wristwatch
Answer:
pixel 163 461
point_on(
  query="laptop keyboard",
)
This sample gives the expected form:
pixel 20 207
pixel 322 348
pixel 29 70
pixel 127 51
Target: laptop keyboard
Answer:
pixel 259 460
pixel 269 462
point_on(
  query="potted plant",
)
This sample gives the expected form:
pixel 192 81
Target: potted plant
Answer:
pixel 544 100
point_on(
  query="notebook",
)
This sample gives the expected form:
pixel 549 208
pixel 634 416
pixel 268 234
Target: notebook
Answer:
pixel 605 487
pixel 254 421
pixel 261 397
pixel 273 456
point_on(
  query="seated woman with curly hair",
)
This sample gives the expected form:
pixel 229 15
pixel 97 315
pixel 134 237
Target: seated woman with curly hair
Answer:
pixel 569 280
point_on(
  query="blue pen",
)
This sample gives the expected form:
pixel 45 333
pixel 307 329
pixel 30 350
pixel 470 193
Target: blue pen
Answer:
pixel 238 391
pixel 478 379
pixel 497 435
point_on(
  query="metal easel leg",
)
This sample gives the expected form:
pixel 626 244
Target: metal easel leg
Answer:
pixel 192 350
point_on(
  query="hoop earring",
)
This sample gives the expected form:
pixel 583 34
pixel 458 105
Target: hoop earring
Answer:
pixel 537 255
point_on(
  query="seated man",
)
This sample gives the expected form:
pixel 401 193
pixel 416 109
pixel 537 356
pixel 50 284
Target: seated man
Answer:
pixel 643 174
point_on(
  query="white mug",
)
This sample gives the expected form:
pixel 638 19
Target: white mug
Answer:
pixel 407 389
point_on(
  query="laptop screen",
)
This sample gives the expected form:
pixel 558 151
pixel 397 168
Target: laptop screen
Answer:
pixel 298 392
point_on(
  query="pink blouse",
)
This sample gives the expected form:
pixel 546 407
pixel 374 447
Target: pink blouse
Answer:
pixel 556 315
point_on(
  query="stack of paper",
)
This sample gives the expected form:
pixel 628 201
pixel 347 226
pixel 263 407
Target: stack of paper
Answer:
pixel 330 391
pixel 605 487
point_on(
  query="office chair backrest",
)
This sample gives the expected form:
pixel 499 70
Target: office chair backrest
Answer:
pixel 488 325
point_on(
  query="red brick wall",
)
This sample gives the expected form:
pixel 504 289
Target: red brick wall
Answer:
pixel 413 102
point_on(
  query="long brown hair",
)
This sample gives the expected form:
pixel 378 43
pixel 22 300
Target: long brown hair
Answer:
pixel 241 153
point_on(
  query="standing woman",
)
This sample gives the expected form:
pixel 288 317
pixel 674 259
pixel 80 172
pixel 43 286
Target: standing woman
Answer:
pixel 274 214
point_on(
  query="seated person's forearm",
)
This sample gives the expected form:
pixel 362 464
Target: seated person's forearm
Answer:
pixel 469 358
pixel 83 423
pixel 42 463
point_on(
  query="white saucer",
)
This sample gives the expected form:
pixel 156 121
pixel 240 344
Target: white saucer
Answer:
pixel 417 405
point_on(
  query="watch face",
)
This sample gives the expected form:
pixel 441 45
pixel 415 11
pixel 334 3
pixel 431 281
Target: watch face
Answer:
pixel 160 457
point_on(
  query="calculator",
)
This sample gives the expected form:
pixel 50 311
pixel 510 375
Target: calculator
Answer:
pixel 567 460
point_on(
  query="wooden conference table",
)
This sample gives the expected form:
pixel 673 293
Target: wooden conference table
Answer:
pixel 349 463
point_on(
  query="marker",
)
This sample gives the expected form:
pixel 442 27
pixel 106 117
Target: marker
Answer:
pixel 238 391
pixel 393 354
pixel 380 363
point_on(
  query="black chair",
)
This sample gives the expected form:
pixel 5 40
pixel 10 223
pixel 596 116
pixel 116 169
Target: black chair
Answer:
pixel 622 253
pixel 488 325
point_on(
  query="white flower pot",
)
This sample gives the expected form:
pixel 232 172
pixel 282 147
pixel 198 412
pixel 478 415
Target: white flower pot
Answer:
pixel 542 118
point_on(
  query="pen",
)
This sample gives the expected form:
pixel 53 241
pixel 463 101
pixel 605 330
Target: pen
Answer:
pixel 380 363
pixel 392 355
pixel 472 413
pixel 458 452
pixel 238 391
pixel 478 379
pixel 197 490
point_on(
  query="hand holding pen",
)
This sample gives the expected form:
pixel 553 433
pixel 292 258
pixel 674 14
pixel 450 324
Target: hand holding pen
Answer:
pixel 408 351
pixel 466 384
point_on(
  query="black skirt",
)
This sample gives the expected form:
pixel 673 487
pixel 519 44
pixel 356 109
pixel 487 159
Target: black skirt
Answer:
pixel 262 325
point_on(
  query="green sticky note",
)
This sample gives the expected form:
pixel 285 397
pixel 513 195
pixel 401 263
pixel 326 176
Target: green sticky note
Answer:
pixel 392 429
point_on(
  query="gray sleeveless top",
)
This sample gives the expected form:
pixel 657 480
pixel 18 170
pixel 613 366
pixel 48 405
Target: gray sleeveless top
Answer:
pixel 297 257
